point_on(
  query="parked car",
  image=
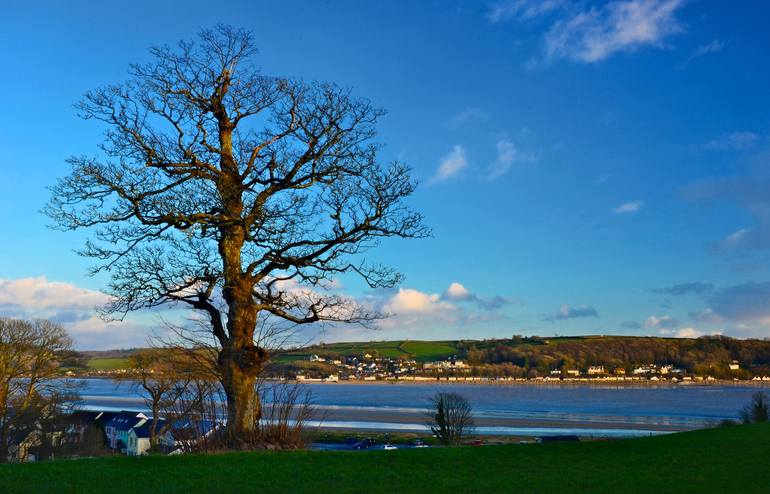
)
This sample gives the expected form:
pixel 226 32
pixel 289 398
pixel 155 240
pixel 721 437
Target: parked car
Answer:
pixel 365 444
pixel 389 447
pixel 419 444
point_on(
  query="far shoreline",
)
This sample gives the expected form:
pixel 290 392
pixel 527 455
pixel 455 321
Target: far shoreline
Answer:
pixel 608 383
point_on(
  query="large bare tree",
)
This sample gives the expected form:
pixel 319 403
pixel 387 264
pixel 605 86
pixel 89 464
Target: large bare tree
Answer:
pixel 235 193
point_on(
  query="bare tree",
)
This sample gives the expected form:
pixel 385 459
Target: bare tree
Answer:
pixel 450 417
pixel 31 386
pixel 758 410
pixel 235 193
pixel 163 376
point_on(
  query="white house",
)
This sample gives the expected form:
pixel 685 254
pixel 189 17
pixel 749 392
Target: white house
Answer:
pixel 595 370
pixel 138 438
pixel 116 428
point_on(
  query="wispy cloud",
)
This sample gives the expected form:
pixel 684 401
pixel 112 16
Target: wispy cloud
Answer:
pixel 508 154
pixel 714 47
pixel 750 192
pixel 681 333
pixel 628 207
pixel 451 164
pixel 695 287
pixel 458 293
pixel 467 117
pixel 661 322
pixel 739 140
pixel 567 312
pixel 630 325
pixel 522 9
pixel 591 34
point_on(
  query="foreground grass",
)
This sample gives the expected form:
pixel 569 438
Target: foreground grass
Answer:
pixel 735 459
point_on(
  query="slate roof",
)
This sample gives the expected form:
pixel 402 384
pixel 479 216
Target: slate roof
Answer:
pixel 143 431
pixel 123 420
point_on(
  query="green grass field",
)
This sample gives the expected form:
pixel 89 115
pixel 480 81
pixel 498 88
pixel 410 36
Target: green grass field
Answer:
pixel 728 460
pixel 422 351
pixel 108 363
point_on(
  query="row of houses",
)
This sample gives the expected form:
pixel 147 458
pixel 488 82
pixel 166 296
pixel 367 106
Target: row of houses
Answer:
pixel 369 367
pixel 130 432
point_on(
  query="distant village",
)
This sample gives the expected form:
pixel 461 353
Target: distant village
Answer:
pixel 368 367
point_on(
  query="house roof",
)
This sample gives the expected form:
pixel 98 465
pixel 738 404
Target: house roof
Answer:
pixel 143 431
pixel 124 420
pixel 184 429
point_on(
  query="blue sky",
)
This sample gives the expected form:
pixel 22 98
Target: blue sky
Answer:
pixel 586 167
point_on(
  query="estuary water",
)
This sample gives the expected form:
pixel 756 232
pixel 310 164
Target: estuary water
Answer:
pixel 504 409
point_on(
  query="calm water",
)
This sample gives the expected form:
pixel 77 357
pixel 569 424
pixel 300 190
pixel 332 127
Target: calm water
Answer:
pixel 502 409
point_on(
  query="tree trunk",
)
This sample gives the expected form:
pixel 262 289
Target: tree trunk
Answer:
pixel 239 369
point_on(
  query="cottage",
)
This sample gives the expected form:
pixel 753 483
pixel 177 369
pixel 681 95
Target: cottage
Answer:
pixel 595 370
pixel 117 427
pixel 645 369
pixel 138 438
pixel 734 365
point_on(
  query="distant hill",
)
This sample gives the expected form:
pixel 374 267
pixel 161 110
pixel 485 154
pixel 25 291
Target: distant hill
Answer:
pixel 522 356
pixel 531 356
pixel 421 351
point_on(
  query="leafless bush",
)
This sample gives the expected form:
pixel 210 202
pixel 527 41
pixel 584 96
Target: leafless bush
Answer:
pixel 285 415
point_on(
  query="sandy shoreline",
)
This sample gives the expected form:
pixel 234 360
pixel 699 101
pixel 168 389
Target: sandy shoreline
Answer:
pixel 528 382
pixel 361 417
pixel 532 382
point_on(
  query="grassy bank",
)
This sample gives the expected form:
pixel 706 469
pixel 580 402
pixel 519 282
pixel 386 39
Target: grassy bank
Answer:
pixel 732 459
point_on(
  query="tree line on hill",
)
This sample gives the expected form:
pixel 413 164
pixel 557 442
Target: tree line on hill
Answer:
pixel 532 356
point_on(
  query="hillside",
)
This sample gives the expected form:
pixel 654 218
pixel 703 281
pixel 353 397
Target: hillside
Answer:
pixel 732 459
pixel 422 351
pixel 531 356
pixel 527 356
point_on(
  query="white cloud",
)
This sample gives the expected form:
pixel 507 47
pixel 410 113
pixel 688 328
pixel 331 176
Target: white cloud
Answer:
pixel 38 293
pixel 688 333
pixel 683 333
pixel 411 301
pixel 74 308
pixel 590 36
pixel 457 291
pixel 628 207
pixel 451 164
